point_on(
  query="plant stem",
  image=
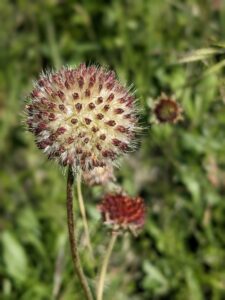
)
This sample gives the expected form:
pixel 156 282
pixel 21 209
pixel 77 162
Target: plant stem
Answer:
pixel 83 214
pixel 73 243
pixel 101 281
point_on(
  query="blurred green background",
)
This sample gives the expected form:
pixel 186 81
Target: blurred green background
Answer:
pixel 178 169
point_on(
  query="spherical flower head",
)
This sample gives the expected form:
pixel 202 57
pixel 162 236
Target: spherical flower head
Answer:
pixel 82 117
pixel 167 110
pixel 99 176
pixel 123 213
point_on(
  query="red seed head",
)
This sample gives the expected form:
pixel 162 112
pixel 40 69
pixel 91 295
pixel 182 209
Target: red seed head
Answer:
pixel 73 110
pixel 122 212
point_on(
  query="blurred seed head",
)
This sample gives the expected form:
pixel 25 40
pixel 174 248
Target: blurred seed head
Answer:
pixel 99 176
pixel 121 212
pixel 82 117
pixel 167 110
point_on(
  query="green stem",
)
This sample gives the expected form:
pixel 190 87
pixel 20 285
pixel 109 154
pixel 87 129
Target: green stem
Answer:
pixel 73 243
pixel 104 267
pixel 83 214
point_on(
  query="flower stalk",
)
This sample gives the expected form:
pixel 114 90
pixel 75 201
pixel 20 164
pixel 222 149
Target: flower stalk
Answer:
pixel 73 243
pixel 100 287
pixel 83 214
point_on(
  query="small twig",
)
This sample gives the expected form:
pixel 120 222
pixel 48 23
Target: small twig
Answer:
pixel 83 214
pixel 101 281
pixel 73 243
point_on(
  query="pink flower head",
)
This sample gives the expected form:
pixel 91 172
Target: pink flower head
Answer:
pixel 82 117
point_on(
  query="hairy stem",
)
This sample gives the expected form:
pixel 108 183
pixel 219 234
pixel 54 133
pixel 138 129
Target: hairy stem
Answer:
pixel 73 243
pixel 104 267
pixel 83 214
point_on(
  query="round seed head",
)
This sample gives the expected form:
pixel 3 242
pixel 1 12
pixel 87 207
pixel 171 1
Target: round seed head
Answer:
pixel 76 114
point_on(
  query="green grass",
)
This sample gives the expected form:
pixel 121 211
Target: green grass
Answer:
pixel 178 169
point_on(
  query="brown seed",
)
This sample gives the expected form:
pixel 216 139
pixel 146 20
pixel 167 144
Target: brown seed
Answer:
pixel 95 129
pixel 42 82
pixel 79 151
pixel 62 107
pixel 81 82
pixel 87 121
pixel 116 142
pixel 67 84
pixel 78 107
pixel 75 96
pixel 60 130
pixel 86 140
pixel 92 81
pixel 111 97
pixel 110 85
pixel 91 105
pixel 51 106
pixel 99 100
pixel 74 121
pixel 52 137
pixel 99 147
pixel 118 111
pixel 123 147
pixel 87 93
pixel 122 129
pixel 100 116
pixel 122 100
pixel 111 123
pixel 70 140
pixel 102 137
pixel 44 101
pixel 81 134
pixel 100 87
pixel 128 116
pixel 61 95
pixel 36 93
pixel 51 117
pixel 106 107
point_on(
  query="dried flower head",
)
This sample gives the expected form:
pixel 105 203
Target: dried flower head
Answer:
pixel 82 117
pixel 99 175
pixel 122 212
pixel 167 110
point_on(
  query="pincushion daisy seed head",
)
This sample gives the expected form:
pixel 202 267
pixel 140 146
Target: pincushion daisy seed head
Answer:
pixel 167 110
pixel 122 212
pixel 82 117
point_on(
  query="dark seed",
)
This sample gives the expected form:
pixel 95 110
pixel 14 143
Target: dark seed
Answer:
pixel 118 111
pixel 102 137
pixel 100 116
pixel 78 107
pixel 91 105
pixel 74 121
pixel 87 121
pixel 111 123
pixel 75 96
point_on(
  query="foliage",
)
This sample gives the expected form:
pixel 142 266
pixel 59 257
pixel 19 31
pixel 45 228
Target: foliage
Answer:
pixel 178 169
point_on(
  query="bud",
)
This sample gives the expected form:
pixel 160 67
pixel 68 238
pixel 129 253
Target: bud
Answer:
pixel 167 110
pixel 99 176
pixel 123 213
pixel 82 117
